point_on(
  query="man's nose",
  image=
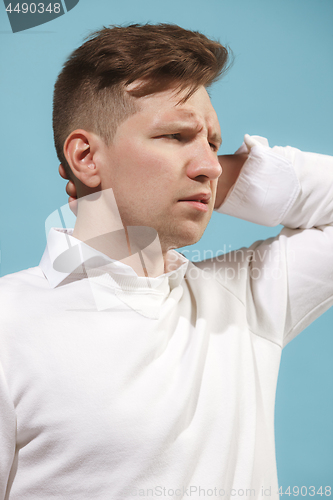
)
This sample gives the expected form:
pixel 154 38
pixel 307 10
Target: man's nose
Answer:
pixel 204 162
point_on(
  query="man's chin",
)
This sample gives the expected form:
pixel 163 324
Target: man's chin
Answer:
pixel 182 240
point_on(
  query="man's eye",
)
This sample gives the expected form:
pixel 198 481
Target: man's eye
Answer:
pixel 173 136
pixel 178 137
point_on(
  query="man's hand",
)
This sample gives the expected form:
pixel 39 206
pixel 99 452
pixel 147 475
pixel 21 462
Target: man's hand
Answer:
pixel 231 167
pixel 70 190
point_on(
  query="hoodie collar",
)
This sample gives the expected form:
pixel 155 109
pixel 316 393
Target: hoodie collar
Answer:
pixel 67 259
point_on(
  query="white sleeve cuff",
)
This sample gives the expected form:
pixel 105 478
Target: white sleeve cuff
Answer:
pixel 266 188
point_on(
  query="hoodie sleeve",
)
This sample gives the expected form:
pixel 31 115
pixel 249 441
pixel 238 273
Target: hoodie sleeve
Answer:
pixel 293 279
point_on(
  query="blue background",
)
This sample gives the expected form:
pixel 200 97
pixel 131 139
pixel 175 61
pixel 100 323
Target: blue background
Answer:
pixel 280 86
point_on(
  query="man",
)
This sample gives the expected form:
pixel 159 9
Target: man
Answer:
pixel 127 370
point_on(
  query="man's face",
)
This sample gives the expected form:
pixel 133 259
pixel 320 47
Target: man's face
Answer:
pixel 162 162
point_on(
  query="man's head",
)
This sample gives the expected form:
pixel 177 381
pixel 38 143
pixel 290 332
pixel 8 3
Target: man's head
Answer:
pixel 90 92
pixel 131 113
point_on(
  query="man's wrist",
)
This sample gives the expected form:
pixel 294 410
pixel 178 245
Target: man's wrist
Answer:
pixel 231 167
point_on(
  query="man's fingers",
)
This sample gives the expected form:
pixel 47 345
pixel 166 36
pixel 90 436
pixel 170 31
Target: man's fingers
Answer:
pixel 70 186
pixel 71 189
pixel 62 172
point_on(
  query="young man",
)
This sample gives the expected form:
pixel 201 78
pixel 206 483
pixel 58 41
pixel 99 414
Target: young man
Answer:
pixel 127 370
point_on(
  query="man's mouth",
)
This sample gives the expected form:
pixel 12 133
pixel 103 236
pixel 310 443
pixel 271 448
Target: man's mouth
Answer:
pixel 199 201
pixel 201 197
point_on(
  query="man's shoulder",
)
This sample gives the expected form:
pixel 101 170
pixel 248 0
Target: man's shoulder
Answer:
pixel 224 266
pixel 22 282
pixel 234 270
pixel 20 292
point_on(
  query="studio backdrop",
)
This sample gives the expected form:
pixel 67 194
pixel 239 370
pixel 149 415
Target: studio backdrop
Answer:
pixel 279 87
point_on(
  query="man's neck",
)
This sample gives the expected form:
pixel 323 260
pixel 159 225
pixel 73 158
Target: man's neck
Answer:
pixel 100 226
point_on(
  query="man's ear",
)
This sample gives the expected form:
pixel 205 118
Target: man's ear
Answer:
pixel 81 151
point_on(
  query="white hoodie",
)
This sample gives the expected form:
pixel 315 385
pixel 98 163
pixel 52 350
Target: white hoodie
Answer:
pixel 112 389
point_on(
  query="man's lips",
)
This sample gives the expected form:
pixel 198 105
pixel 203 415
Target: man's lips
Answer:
pixel 201 197
pixel 199 201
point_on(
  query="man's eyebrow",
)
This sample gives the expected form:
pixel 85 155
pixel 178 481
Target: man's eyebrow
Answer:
pixel 175 125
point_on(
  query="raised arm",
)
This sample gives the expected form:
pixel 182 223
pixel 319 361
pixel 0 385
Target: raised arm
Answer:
pixel 293 282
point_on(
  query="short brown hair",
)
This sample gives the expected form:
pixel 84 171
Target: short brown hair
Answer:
pixel 90 90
